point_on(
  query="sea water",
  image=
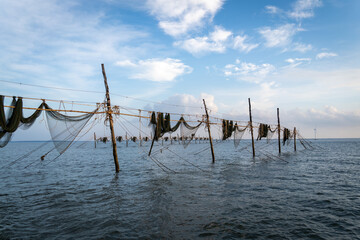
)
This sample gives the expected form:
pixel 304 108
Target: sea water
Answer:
pixel 308 194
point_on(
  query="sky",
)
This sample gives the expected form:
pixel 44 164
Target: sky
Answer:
pixel 301 56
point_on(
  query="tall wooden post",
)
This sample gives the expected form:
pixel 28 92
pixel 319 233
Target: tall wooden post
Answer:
pixel 208 126
pixel 152 144
pixel 153 136
pixel 278 117
pixel 126 139
pixel 140 128
pixel 109 111
pixel 295 139
pixel 95 139
pixel 251 130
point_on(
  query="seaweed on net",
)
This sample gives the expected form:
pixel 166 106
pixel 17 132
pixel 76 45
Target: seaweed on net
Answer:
pixel 263 131
pixel 286 135
pixel 161 125
pixel 14 118
pixel 227 129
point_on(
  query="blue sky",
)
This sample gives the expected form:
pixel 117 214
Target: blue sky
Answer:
pixel 301 56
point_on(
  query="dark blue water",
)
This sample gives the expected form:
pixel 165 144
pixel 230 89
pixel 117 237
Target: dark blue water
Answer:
pixel 303 195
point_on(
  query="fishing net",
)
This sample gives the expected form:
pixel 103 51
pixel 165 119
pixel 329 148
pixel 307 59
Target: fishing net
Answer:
pixel 262 131
pixel 161 125
pixel 63 128
pixel 187 132
pixel 270 134
pixel 238 134
pixel 14 118
pixel 286 136
pixel 227 129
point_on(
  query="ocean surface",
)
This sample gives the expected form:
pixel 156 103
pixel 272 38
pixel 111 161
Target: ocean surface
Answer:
pixel 308 194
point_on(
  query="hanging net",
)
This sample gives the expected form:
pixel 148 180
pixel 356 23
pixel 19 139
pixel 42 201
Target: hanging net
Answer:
pixel 14 118
pixel 161 125
pixel 227 129
pixel 286 136
pixel 263 131
pixel 270 134
pixel 238 134
pixel 187 132
pixel 63 128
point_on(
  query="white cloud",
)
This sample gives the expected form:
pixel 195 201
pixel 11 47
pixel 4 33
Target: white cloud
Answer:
pixel 125 63
pixel 217 41
pixel 297 61
pixel 186 103
pixel 240 44
pixel 283 37
pixel 325 55
pixel 57 43
pixel 300 9
pixel 272 9
pixel 181 16
pixel 157 70
pixel 300 47
pixel 304 8
pixel 248 71
pixel 279 37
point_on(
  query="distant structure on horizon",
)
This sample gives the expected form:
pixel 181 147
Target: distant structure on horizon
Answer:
pixel 315 133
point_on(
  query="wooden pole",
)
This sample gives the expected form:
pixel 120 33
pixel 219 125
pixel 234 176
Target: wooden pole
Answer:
pixel 208 126
pixel 109 111
pixel 153 137
pixel 278 117
pixel 140 128
pixel 95 139
pixel 152 144
pixel 295 139
pixel 251 130
pixel 127 141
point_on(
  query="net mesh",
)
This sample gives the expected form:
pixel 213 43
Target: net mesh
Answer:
pixel 187 133
pixel 64 129
pixel 238 134
pixel 14 118
pixel 161 125
pixel 270 134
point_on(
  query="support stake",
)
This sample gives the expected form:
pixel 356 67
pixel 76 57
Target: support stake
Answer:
pixel 95 139
pixel 295 139
pixel 278 117
pixel 140 128
pixel 251 130
pixel 127 141
pixel 208 126
pixel 108 112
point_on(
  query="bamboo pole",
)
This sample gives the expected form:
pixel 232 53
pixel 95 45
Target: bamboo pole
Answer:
pixel 95 139
pixel 126 139
pixel 140 128
pixel 208 127
pixel 152 144
pixel 153 137
pixel 251 130
pixel 278 117
pixel 295 139
pixel 109 111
